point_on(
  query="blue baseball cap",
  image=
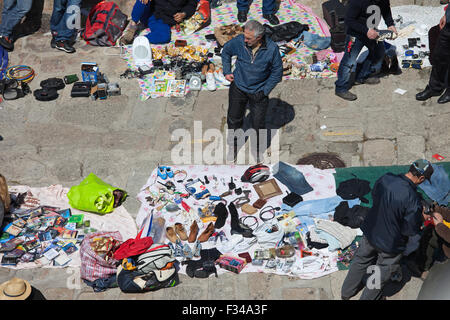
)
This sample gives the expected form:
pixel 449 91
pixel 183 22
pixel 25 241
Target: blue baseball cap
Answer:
pixel 424 167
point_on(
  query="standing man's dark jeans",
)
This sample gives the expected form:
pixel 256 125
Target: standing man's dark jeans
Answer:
pixel 12 14
pixel 63 10
pixel 237 103
pixel 365 256
pixel 441 61
pixel 348 62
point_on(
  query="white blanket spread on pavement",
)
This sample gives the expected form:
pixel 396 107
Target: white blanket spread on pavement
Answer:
pixel 322 182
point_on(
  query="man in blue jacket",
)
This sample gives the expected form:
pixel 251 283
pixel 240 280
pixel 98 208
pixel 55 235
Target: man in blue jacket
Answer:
pixel 441 63
pixel 258 69
pixel 397 214
pixel 361 20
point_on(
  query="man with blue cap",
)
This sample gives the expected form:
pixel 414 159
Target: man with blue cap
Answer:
pixel 396 215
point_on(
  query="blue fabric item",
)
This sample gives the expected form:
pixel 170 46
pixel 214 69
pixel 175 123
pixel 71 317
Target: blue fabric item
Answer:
pixel 100 285
pixel 439 189
pixel 256 73
pixel 12 14
pixel 320 208
pixel 349 61
pixel 4 64
pixel 389 50
pixel 268 6
pixel 291 178
pixel 160 32
pixel 314 41
pixel 61 14
pixel 333 243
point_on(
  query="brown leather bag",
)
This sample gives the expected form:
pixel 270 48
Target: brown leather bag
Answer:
pixel 4 194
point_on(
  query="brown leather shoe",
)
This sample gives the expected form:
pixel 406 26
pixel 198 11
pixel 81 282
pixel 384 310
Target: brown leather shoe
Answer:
pixel 193 233
pixel 181 231
pixel 171 235
pixel 206 233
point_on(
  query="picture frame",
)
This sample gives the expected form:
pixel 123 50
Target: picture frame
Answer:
pixel 267 189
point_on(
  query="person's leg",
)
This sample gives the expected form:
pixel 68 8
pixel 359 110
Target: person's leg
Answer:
pixel 375 58
pixel 159 31
pixel 268 6
pixel 13 12
pixel 237 103
pixel 63 21
pixel 258 109
pixel 141 12
pixel 364 257
pixel 352 49
pixel 242 5
pixel 387 267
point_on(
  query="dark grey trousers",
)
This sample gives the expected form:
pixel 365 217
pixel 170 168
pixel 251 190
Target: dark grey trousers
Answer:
pixel 386 266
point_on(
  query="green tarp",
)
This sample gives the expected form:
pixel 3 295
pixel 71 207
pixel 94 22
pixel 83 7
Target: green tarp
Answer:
pixel 372 174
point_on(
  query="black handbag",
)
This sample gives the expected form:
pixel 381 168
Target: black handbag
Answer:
pixel 292 199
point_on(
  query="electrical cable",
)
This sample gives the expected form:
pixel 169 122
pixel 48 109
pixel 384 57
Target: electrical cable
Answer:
pixel 14 72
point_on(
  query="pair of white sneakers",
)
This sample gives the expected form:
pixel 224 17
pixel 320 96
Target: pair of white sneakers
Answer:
pixel 212 77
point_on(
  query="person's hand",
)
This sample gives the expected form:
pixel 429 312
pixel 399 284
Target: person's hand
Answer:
pixel 230 77
pixel 178 17
pixel 442 22
pixel 372 34
pixel 437 218
pixel 393 29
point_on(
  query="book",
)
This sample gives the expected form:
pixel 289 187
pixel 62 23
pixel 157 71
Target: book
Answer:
pixel 66 213
pixel 62 259
pixel 9 261
pixel 59 221
pixel 16 253
pixel 51 254
pixel 70 248
pixel 13 230
pixel 45 236
pixel 30 245
pixel 70 234
pixel 175 88
pixel 76 218
pixel 71 226
pixel 37 212
pixel 10 245
pixel 19 223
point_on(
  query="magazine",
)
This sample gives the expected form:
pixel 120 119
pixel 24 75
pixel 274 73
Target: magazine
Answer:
pixel 176 88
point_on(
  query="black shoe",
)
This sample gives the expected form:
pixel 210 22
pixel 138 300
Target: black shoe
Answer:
pixel 372 80
pixel 427 94
pixel 273 20
pixel 445 97
pixel 347 95
pixel 6 43
pixel 242 16
pixel 53 43
pixel 65 46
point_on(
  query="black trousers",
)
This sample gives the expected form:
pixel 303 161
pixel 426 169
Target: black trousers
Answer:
pixel 439 79
pixel 237 104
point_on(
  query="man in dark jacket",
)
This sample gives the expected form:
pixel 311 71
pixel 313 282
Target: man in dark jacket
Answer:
pixel 441 62
pixel 159 16
pixel 361 20
pixel 396 215
pixel 258 69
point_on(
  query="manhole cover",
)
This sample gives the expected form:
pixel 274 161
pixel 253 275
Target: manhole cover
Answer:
pixel 322 161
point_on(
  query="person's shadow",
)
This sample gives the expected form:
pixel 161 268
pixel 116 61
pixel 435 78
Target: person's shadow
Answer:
pixel 32 21
pixel 279 113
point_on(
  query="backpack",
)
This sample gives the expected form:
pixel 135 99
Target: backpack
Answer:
pixel 104 24
pixel 157 257
pixel 4 194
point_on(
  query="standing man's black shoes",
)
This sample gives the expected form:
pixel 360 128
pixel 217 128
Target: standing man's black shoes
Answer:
pixel 427 94
pixel 273 20
pixel 445 97
pixel 347 95
pixel 242 16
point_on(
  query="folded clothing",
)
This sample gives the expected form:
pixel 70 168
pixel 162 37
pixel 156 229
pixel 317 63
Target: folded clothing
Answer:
pixel 344 235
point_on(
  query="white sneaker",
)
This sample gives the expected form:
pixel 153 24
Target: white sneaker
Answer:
pixel 210 81
pixel 218 74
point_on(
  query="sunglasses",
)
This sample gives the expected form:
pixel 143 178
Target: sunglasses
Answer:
pixel 13 89
pixel 416 64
